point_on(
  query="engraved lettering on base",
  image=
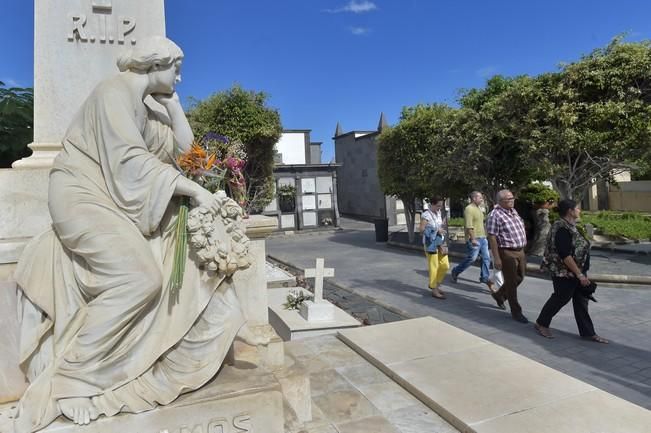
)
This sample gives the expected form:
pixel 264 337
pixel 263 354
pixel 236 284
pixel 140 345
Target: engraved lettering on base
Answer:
pixel 242 423
pixel 78 23
pixel 126 26
pixel 102 27
pixel 196 429
pixel 219 425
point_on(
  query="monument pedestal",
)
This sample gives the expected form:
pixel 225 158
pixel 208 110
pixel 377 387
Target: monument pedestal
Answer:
pixel 239 399
pixel 24 212
pixel 317 311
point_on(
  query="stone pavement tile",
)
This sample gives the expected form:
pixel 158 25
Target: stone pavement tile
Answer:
pixel 419 419
pixel 495 382
pixel 323 382
pixel 341 356
pixel 374 424
pixel 407 338
pixel 313 363
pixel 322 343
pixel 344 406
pixel 363 374
pixel 591 412
pixel 388 396
pixel 298 348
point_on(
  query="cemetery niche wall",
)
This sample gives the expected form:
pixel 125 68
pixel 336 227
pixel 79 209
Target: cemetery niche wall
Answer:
pixel 299 169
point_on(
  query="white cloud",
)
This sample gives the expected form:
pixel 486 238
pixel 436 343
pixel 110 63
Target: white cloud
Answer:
pixel 10 82
pixel 486 71
pixel 355 6
pixel 359 31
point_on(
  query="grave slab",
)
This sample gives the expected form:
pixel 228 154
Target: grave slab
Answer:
pixel 482 387
pixel 290 325
pixel 277 277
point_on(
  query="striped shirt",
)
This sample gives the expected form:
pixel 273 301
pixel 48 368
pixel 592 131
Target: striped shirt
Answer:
pixel 507 226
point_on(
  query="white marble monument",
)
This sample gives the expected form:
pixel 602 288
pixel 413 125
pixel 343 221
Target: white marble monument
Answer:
pixel 318 310
pixel 103 331
pixel 76 43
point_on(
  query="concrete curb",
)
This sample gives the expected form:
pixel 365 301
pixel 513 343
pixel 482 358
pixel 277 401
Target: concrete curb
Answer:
pixel 293 268
pixel 616 249
pixel 629 280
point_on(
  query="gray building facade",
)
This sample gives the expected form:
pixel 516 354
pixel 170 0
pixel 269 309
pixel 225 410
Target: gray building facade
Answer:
pixel 358 185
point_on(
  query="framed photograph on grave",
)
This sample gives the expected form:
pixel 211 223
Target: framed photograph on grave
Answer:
pixel 287 222
pixel 324 185
pixel 308 185
pixel 272 206
pixel 325 201
pixel 309 202
pixel 286 181
pixel 309 219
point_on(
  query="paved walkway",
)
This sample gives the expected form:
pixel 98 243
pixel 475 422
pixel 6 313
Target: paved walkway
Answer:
pixel 398 278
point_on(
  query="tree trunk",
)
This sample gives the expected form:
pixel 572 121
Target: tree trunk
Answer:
pixel 410 215
pixel 541 231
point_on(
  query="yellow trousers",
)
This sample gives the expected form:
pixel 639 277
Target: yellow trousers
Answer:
pixel 437 266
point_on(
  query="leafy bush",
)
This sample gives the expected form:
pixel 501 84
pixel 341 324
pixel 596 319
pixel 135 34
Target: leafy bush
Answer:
pixel 16 123
pixel 286 191
pixel 537 193
pixel 244 116
pixel 456 222
pixel 631 225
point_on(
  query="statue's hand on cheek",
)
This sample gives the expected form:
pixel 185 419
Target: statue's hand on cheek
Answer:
pixel 168 100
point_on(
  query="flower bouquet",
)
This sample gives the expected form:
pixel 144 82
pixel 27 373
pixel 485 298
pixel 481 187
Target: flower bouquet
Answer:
pixel 231 157
pixel 212 171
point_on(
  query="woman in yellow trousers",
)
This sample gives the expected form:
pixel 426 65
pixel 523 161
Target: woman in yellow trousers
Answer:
pixel 437 259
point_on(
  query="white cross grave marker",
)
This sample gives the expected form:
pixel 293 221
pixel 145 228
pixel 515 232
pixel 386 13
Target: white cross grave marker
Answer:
pixel 319 273
pixel 318 310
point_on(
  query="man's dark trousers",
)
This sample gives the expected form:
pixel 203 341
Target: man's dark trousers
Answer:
pixel 514 265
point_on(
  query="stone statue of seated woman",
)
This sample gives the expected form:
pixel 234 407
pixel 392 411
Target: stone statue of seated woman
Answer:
pixel 100 334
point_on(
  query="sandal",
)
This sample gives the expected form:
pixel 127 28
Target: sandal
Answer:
pixel 597 339
pixel 545 332
pixel 438 294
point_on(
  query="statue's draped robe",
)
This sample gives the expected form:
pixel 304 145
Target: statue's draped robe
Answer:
pixel 97 318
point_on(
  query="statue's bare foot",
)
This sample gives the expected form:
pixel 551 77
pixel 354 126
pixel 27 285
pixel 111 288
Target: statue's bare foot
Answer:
pixel 247 335
pixel 79 410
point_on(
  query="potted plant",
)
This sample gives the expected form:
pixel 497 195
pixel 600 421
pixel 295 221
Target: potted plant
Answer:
pixel 286 198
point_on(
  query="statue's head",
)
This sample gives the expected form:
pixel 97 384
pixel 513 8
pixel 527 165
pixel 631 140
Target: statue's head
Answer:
pixel 149 52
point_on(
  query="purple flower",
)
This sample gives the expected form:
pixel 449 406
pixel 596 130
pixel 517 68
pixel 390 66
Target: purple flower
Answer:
pixel 213 136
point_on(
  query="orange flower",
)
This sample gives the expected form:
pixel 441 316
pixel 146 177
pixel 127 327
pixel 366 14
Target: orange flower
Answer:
pixel 196 161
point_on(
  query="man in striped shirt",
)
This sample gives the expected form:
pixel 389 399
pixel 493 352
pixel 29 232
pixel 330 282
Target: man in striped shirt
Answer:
pixel 507 239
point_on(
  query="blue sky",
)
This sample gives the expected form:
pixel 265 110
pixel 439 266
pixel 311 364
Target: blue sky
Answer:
pixel 324 61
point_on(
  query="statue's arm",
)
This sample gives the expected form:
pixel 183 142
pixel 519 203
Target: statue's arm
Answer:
pixel 180 125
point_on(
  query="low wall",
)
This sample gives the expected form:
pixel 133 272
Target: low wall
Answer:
pixel 630 196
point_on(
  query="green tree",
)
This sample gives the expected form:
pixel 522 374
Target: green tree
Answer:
pixel 492 152
pixel 16 123
pixel 413 161
pixel 243 115
pixel 593 118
